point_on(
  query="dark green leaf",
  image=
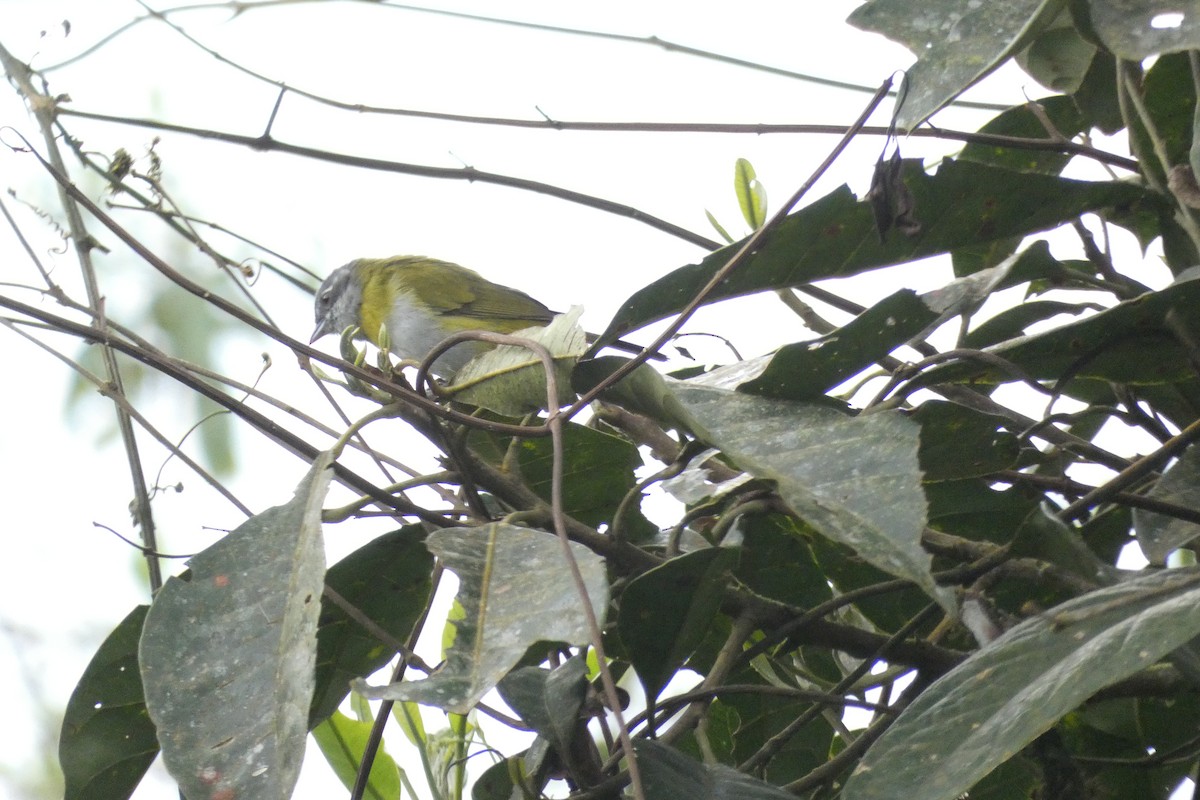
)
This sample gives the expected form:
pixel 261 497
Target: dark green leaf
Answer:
pixel 667 774
pixel 975 510
pixel 806 370
pixel 598 470
pixel 777 563
pixel 388 581
pixel 1096 97
pixel 1046 538
pixel 958 443
pixel 1020 122
pixel 666 611
pixel 549 701
pixel 108 741
pixel 1108 346
pixel 1170 99
pixel 761 717
pixel 963 204
pixel 1012 322
pixel 1058 57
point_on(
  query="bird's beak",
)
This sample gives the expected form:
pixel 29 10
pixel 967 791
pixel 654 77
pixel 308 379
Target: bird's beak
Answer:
pixel 319 331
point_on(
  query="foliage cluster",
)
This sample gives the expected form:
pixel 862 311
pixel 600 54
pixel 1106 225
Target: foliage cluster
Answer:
pixel 887 578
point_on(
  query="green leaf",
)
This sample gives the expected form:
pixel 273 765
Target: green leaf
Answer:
pixel 1012 322
pixel 1109 346
pixel 408 717
pixel 777 563
pixel 1170 100
pixel 388 580
pixel 643 391
pixel 957 442
pixel 515 591
pixel 868 497
pixel 549 701
pixel 752 197
pixel 666 611
pixel 974 509
pixel 598 469
pixel 1021 122
pixel 107 741
pixel 964 204
pixel 668 774
pixel 806 370
pixel 1096 97
pixel 757 718
pixel 1059 56
pixel 1048 539
pixel 1127 27
pixel 343 741
pixel 1158 534
pixel 1127 729
pixel 511 380
pixel 724 234
pixel 1004 696
pixel 552 703
pixel 956 43
pixel 227 655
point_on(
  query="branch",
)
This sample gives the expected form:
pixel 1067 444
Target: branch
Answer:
pixel 267 143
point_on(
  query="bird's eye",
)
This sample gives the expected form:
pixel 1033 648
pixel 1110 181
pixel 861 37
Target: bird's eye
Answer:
pixel 325 299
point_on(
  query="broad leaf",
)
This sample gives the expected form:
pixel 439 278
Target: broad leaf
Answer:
pixel 807 370
pixel 598 467
pixel 1004 696
pixel 552 703
pixel 1012 322
pixel 1059 56
pixel 515 591
pixel 965 203
pixel 1158 534
pixel 227 654
pixel 549 701
pixel 957 43
pixel 342 741
pixel 511 380
pixel 855 480
pixel 668 774
pixel 387 580
pixel 107 741
pixel 1109 346
pixel 957 442
pixel 666 611
pixel 1137 29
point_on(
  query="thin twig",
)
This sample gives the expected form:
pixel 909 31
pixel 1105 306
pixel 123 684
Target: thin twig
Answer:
pixel 752 244
pixel 43 108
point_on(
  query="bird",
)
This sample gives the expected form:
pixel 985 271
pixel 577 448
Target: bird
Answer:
pixel 421 301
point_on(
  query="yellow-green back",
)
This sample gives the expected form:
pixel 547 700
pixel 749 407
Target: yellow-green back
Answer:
pixel 458 298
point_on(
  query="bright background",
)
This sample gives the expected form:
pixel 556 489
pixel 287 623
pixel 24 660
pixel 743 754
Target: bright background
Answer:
pixel 64 583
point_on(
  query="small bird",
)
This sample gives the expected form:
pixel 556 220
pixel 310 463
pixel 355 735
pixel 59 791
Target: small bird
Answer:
pixel 421 301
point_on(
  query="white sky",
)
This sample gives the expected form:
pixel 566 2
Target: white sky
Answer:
pixel 64 584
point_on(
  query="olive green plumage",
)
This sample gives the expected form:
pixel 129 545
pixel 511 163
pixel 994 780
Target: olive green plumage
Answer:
pixel 421 301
